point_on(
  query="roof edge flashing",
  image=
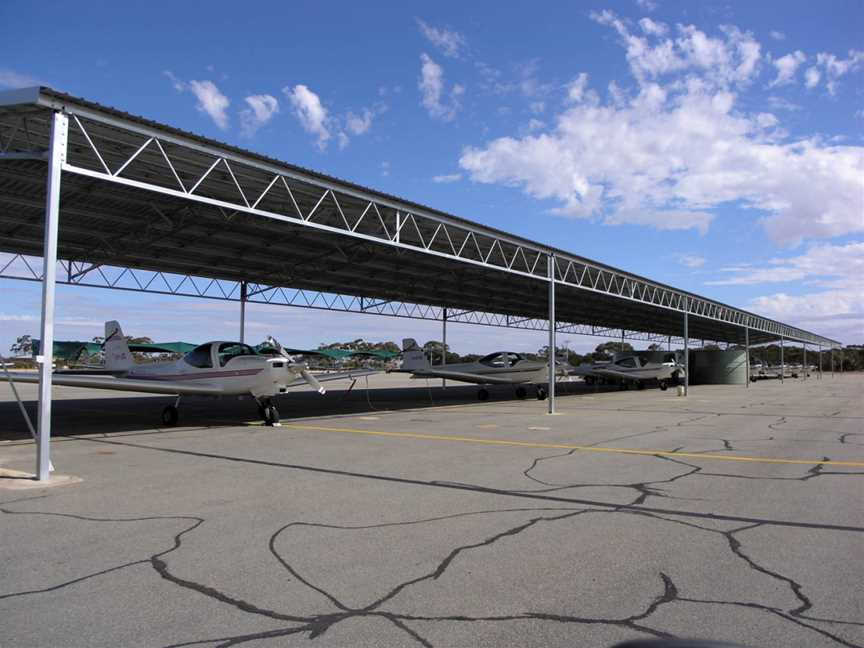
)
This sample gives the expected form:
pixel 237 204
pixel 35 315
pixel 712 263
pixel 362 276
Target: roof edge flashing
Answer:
pixel 21 96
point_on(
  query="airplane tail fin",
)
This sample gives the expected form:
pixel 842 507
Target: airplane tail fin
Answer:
pixel 117 354
pixel 412 356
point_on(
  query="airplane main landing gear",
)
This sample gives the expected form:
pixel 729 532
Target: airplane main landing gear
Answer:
pixel 170 416
pixel 541 393
pixel 664 385
pixel 521 393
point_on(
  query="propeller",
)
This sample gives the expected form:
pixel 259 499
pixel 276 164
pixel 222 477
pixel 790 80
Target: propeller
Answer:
pixel 309 378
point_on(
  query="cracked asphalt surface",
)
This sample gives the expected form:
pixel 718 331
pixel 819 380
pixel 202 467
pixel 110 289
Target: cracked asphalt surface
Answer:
pixel 408 516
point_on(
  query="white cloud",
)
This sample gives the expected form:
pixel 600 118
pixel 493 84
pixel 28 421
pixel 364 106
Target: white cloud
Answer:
pixel 576 89
pixel 777 35
pixel 838 314
pixel 781 103
pixel 451 43
pixel 653 28
pixel 812 77
pixel 310 112
pixel 690 260
pixel 672 150
pixel 646 5
pixel 432 89
pixel 733 59
pixel 359 124
pixel 211 101
pixel 12 79
pixel 446 179
pixel 787 66
pixel 829 265
pixel 835 68
pixel 260 111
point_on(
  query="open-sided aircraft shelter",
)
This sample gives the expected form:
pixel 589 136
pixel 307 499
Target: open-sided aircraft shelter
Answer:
pixel 109 199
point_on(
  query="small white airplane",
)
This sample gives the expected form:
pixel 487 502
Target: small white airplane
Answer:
pixel 211 369
pixel 499 368
pixel 631 369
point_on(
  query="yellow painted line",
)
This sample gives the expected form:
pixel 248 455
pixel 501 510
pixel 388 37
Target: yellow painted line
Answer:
pixel 567 446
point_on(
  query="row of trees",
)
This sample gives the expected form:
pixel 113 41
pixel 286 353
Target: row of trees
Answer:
pixel 853 354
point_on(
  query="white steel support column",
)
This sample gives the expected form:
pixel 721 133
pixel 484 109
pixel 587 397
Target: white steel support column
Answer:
pixel 444 344
pixel 56 159
pixel 832 361
pixel 820 362
pixel 686 348
pixel 804 359
pixel 782 362
pixel 551 394
pixel 747 355
pixel 243 292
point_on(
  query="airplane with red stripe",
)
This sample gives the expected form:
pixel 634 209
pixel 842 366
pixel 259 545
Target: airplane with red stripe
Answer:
pixel 210 369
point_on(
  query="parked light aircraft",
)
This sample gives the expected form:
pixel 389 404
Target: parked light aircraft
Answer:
pixel 210 369
pixel 631 369
pixel 499 368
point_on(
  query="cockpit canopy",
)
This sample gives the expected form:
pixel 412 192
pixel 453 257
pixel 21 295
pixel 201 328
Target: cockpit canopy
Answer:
pixel 501 359
pixel 203 356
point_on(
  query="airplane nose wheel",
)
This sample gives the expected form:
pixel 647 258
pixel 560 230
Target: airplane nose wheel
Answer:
pixel 269 413
pixel 170 416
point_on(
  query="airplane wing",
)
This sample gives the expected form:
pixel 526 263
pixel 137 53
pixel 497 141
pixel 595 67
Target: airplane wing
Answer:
pixel 477 379
pixel 328 377
pixel 101 381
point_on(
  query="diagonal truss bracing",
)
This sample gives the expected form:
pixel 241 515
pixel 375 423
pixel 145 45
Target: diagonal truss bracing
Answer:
pixel 111 149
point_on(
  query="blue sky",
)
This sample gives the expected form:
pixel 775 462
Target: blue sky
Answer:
pixel 713 146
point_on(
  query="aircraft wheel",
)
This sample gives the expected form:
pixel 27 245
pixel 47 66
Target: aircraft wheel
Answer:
pixel 521 393
pixel 541 393
pixel 271 415
pixel 482 395
pixel 640 385
pixel 170 416
pixel 664 385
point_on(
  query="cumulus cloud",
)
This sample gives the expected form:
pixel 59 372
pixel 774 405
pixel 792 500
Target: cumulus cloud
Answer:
pixel 434 97
pixel 359 124
pixel 835 67
pixel 837 266
pixel 450 43
pixel 730 59
pixel 787 66
pixel 669 151
pixel 260 111
pixel 310 112
pixel 838 314
pixel 211 101
pixel 777 35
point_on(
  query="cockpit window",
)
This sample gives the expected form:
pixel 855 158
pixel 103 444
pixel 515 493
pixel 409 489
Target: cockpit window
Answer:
pixel 630 363
pixel 500 360
pixel 229 350
pixel 199 357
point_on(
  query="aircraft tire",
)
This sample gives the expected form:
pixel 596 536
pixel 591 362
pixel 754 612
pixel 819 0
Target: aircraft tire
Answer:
pixel 271 415
pixel 541 394
pixel 521 393
pixel 664 385
pixel 170 416
pixel 482 395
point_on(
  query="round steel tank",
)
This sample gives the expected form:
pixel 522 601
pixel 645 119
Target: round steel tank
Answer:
pixel 716 367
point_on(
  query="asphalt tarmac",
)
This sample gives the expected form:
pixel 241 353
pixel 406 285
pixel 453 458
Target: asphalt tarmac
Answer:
pixel 406 516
